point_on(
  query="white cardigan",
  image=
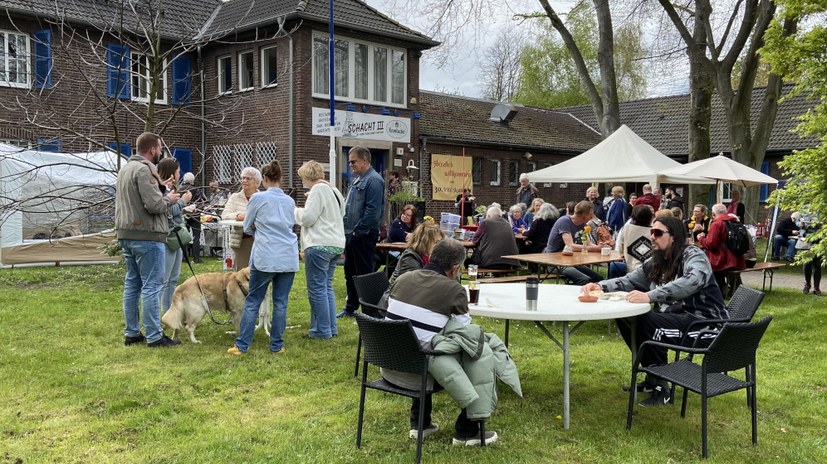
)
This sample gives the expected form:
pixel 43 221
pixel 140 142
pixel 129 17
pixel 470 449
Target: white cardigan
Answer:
pixel 321 218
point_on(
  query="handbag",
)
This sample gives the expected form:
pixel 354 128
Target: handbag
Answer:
pixel 178 236
pixel 802 244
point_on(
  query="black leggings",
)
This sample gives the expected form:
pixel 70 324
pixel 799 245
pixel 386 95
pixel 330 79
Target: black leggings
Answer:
pixel 813 269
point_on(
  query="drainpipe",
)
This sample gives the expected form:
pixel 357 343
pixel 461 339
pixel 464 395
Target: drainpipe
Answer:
pixel 203 116
pixel 290 111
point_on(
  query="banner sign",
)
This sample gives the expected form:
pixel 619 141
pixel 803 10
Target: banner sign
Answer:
pixel 360 125
pixel 449 175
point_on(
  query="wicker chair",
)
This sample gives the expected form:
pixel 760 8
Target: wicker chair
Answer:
pixel 732 349
pixel 369 289
pixel 741 308
pixel 393 345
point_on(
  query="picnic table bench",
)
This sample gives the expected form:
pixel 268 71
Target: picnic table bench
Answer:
pixel 767 268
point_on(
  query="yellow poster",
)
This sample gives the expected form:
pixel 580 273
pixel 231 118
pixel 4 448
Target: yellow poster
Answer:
pixel 449 175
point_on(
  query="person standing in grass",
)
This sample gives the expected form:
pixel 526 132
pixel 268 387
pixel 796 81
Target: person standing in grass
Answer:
pixel 678 279
pixel 168 168
pixel 275 259
pixel 142 202
pixel 323 240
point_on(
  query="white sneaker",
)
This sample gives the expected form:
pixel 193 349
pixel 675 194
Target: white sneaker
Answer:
pixel 429 430
pixel 490 437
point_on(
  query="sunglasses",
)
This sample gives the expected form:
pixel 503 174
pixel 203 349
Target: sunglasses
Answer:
pixel 658 233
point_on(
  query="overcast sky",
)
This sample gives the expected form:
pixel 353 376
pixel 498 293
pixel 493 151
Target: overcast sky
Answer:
pixel 455 68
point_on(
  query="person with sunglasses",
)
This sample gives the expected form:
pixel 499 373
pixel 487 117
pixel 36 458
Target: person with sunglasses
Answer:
pixel 678 280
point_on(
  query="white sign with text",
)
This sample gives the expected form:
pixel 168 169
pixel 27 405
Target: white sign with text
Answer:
pixel 362 125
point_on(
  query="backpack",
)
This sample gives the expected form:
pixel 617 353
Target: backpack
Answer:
pixel 737 238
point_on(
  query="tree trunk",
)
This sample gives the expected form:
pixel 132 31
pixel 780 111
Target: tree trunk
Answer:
pixel 608 78
pixel 700 111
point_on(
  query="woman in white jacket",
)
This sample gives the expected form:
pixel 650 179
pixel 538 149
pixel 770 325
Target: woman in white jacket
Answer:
pixel 322 240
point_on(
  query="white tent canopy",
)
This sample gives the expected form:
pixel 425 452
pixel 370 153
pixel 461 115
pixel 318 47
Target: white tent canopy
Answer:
pixel 621 157
pixel 721 168
pixel 45 196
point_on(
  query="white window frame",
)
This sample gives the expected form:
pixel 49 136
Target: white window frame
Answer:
pixel 370 70
pixel 135 55
pixel 5 60
pixel 726 192
pixel 241 71
pixel 264 69
pixel 496 173
pixel 531 166
pixel 220 78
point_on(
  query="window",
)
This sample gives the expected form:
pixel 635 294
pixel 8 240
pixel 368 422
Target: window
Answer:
pixel 225 75
pixel 531 166
pixel 269 66
pixel 182 80
pixel 14 65
pixel 48 144
pixel 142 78
pixel 513 167
pixel 364 72
pixel 764 192
pixel 495 172
pixel 548 184
pixel 727 192
pixel 245 71
pixel 476 170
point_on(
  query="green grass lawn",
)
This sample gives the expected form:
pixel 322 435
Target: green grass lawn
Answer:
pixel 73 393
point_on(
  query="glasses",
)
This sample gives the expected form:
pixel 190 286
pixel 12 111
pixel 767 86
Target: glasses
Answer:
pixel 658 233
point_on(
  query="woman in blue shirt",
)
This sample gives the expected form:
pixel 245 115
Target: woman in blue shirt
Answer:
pixel 403 226
pixel 275 258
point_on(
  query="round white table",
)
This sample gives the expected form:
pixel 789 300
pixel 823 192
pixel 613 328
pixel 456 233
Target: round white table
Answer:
pixel 556 303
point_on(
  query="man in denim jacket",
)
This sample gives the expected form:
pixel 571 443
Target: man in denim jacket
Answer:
pixel 363 211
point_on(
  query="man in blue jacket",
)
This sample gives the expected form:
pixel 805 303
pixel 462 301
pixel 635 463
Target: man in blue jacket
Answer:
pixel 363 211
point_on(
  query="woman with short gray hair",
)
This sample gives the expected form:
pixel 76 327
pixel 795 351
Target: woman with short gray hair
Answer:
pixel 235 210
pixel 536 237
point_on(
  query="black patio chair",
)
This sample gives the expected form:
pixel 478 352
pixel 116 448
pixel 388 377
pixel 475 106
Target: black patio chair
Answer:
pixel 392 344
pixel 369 289
pixel 731 350
pixel 742 308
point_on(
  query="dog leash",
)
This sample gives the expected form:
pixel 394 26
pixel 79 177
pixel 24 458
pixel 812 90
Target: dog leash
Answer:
pixel 198 284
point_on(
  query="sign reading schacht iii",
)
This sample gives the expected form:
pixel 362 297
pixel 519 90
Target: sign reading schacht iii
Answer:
pixel 362 125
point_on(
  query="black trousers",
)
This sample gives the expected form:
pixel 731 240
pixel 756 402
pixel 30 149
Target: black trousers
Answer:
pixel 195 247
pixel 464 427
pixel 359 256
pixel 663 327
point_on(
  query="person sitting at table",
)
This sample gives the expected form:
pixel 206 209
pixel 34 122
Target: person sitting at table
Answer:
pixel 402 226
pixel 787 235
pixel 569 231
pixel 532 211
pixel 430 298
pixel 493 240
pixel 678 280
pixel 515 218
pixel 236 209
pixel 536 237
pixel 635 245
pixel 417 255
pixel 698 222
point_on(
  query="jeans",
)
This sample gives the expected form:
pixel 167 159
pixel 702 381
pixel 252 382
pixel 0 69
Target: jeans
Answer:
pixel 581 275
pixel 616 269
pixel 172 270
pixel 780 241
pixel 319 268
pixel 144 278
pixel 359 255
pixel 259 281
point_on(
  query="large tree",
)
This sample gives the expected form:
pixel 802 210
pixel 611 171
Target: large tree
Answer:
pixel 501 67
pixel 800 57
pixel 714 60
pixel 549 77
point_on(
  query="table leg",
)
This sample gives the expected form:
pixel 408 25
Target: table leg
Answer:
pixel 507 321
pixel 565 348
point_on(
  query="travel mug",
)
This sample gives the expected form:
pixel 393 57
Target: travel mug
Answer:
pixel 531 292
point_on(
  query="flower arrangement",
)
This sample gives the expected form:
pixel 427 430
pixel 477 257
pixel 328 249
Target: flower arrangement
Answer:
pixel 584 237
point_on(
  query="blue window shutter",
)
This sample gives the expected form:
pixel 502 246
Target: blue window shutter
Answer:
pixel 184 157
pixel 43 59
pixel 126 149
pixel 182 80
pixel 117 71
pixel 48 144
pixel 765 189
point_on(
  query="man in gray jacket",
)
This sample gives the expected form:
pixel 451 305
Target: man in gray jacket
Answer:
pixel 429 298
pixel 678 280
pixel 141 207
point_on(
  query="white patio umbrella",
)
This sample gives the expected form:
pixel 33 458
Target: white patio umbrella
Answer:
pixel 722 169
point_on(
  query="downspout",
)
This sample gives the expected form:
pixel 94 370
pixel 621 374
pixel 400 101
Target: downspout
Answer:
pixel 290 111
pixel 202 168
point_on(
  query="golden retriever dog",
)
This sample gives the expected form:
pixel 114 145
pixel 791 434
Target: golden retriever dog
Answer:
pixel 223 292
